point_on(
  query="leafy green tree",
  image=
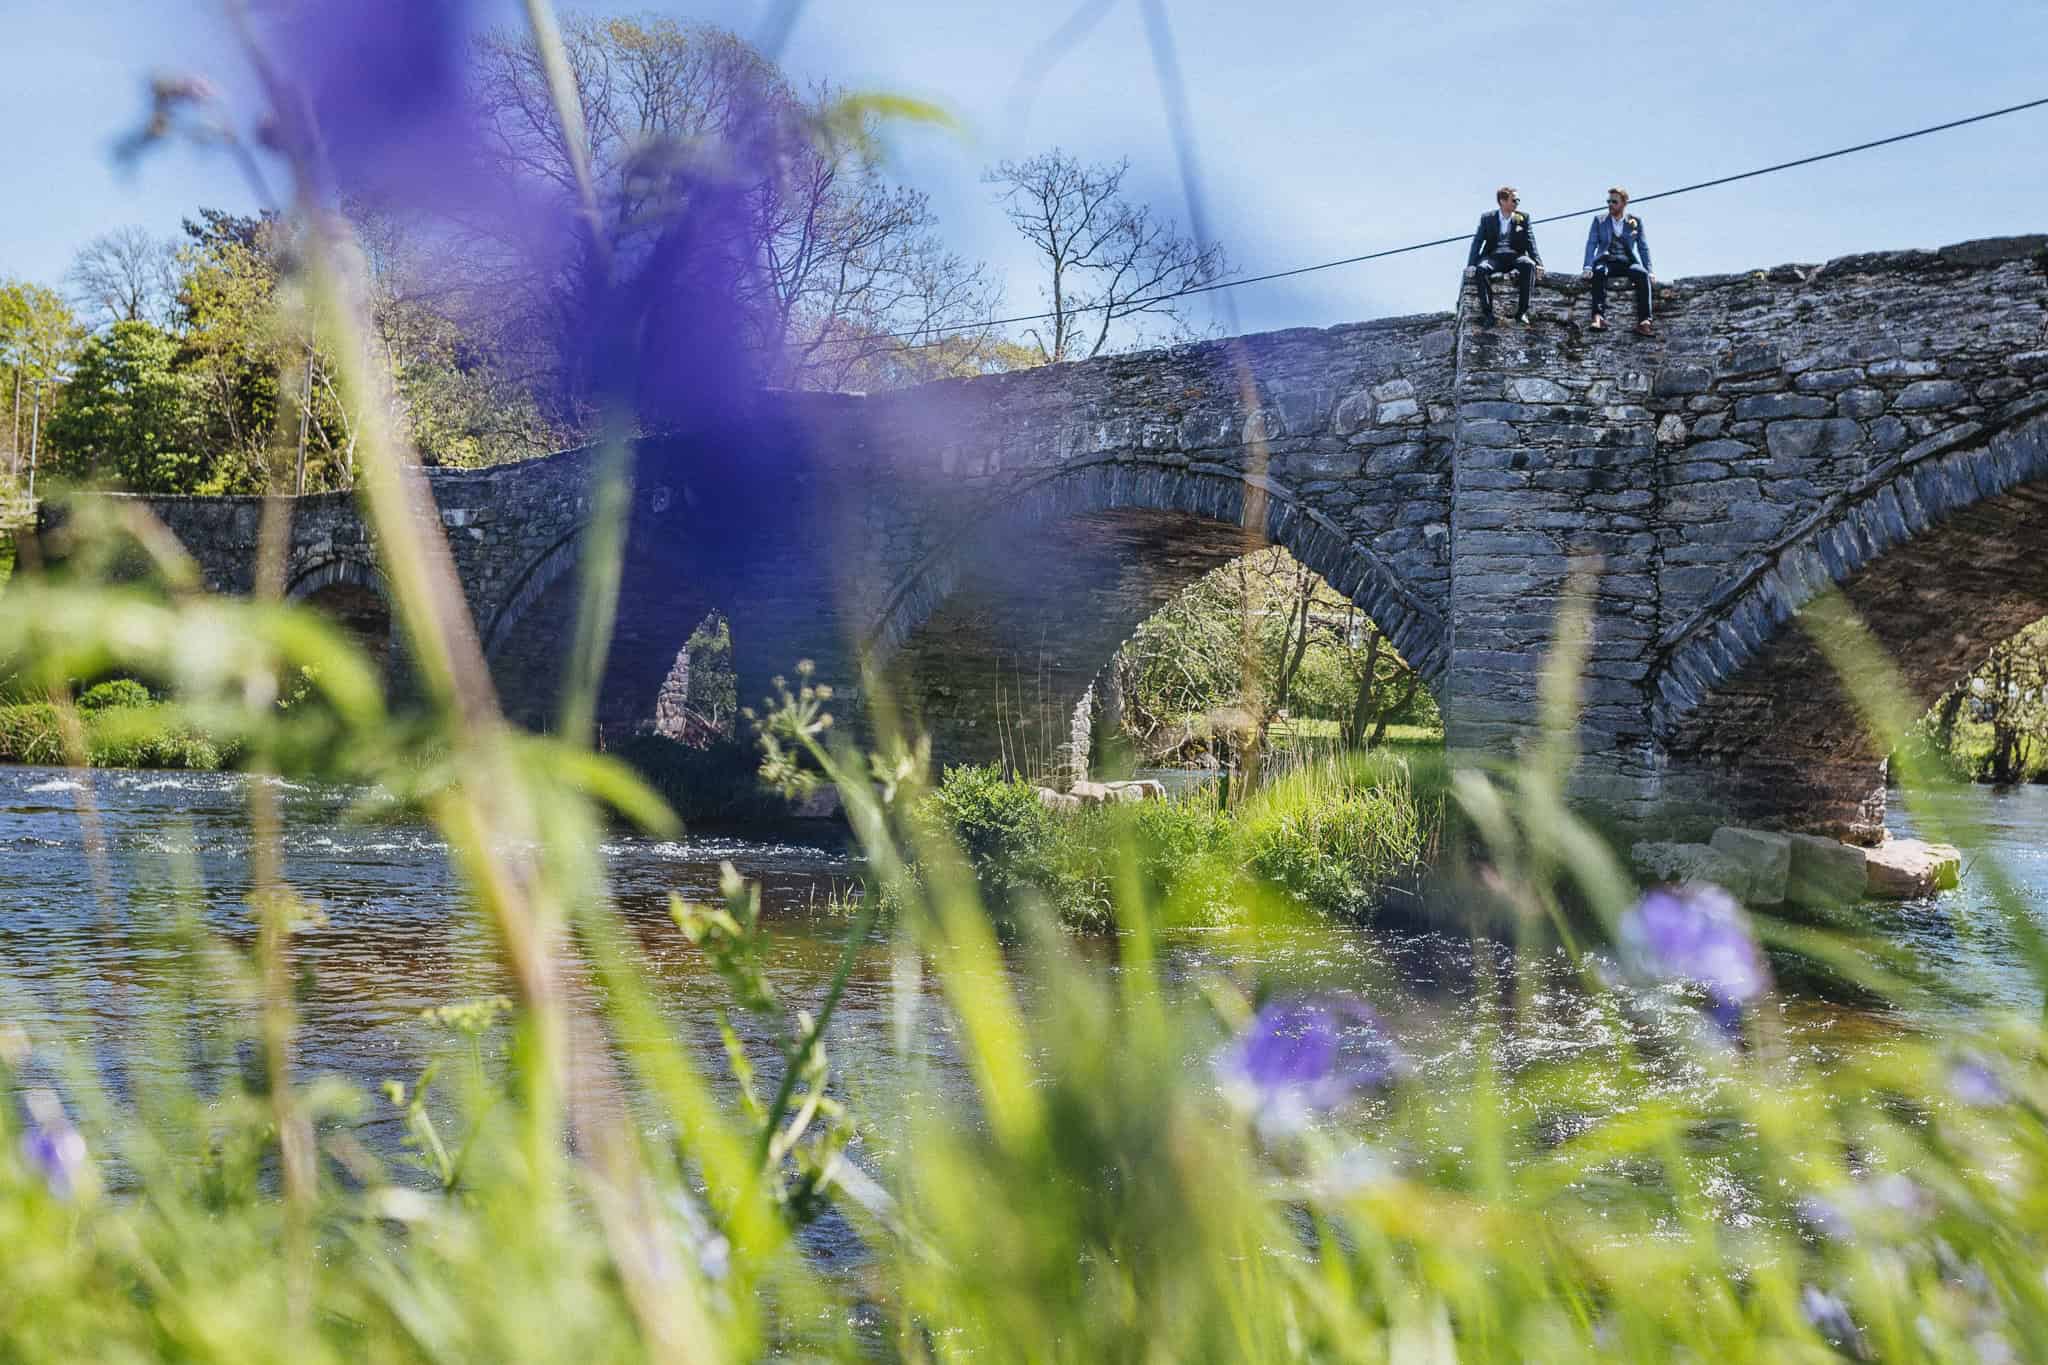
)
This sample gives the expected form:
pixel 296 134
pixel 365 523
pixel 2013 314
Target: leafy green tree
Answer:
pixel 1260 638
pixel 39 340
pixel 127 416
pixel 232 342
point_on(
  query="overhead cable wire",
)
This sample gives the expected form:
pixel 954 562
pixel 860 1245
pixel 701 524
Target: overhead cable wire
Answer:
pixel 951 329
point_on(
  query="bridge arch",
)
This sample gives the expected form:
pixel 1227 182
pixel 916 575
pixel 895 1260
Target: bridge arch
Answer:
pixel 355 596
pixel 994 636
pixel 547 569
pixel 1265 508
pixel 1943 553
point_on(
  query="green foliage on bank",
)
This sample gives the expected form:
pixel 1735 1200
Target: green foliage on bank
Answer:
pixel 1331 837
pixel 116 735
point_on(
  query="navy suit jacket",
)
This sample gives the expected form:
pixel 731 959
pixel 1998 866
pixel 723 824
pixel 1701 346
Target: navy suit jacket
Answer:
pixel 1521 239
pixel 1634 244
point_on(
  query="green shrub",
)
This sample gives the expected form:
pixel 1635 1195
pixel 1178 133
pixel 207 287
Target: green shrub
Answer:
pixel 1332 837
pixel 999 822
pixel 114 692
pixel 29 733
pixel 148 736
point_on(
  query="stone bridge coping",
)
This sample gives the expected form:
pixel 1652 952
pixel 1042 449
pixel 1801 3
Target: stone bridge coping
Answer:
pixel 1560 279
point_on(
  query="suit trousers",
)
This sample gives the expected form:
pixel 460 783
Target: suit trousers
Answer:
pixel 1499 263
pixel 1639 277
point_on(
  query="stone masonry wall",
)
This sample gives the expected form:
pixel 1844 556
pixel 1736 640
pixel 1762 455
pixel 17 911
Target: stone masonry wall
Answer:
pixel 1764 447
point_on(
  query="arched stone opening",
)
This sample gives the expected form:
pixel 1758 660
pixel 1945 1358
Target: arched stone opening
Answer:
pixel 355 598
pixel 993 643
pixel 1941 564
pixel 1261 651
pixel 698 703
pixel 529 642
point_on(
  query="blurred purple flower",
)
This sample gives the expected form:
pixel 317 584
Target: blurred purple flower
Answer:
pixel 1823 1219
pixel 54 1149
pixel 658 306
pixel 1301 1055
pixel 384 84
pixel 1697 933
pixel 1830 1317
pixel 1971 1081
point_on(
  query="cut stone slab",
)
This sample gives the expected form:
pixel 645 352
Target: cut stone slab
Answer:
pixel 1826 873
pixel 1058 801
pixel 1906 869
pixel 1765 854
pixel 1665 862
pixel 1139 789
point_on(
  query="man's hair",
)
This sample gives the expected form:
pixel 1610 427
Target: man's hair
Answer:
pixel 1506 192
pixel 1616 189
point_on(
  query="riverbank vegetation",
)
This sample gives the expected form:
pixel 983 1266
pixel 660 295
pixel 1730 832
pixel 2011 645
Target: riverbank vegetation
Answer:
pixel 120 725
pixel 1333 836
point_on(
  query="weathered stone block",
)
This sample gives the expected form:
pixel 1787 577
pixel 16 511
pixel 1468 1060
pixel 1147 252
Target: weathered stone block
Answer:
pixel 1769 407
pixel 1907 869
pixel 1803 439
pixel 1765 856
pixel 1534 389
pixel 1826 873
pixel 1675 381
pixel 1930 393
pixel 1669 862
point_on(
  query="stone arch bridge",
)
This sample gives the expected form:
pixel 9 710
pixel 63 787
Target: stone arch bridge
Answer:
pixel 1877 425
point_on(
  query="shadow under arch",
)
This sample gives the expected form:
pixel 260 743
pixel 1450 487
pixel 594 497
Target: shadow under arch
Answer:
pixel 1943 554
pixel 993 639
pixel 357 598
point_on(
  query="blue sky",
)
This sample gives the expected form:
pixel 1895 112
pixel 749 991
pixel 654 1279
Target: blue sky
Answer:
pixel 1324 129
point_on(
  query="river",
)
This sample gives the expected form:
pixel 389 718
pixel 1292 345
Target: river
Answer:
pixel 393 937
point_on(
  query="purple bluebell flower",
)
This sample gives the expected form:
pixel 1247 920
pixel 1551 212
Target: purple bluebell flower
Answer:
pixel 54 1149
pixel 1823 1219
pixel 1697 933
pixel 1305 1054
pixel 1830 1317
pixel 1972 1081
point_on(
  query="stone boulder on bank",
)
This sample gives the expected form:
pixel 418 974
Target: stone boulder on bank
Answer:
pixel 1100 794
pixel 1906 869
pixel 1766 859
pixel 1765 868
pixel 1826 874
pixel 1670 862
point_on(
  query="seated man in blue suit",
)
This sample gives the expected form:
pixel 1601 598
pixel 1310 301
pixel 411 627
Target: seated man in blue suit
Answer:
pixel 1615 245
pixel 1504 242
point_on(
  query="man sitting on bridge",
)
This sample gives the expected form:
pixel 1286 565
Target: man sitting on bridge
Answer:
pixel 1615 245
pixel 1504 242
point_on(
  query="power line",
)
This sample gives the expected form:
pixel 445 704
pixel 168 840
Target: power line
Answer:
pixel 1210 288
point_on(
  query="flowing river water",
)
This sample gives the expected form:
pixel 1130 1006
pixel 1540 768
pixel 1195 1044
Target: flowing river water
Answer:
pixel 394 936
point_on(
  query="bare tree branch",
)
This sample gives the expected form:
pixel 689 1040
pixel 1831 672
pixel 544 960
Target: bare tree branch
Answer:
pixel 1107 261
pixel 125 276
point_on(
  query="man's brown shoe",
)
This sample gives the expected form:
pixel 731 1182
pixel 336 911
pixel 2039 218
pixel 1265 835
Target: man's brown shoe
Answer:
pixel 1643 329
pixel 1599 323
